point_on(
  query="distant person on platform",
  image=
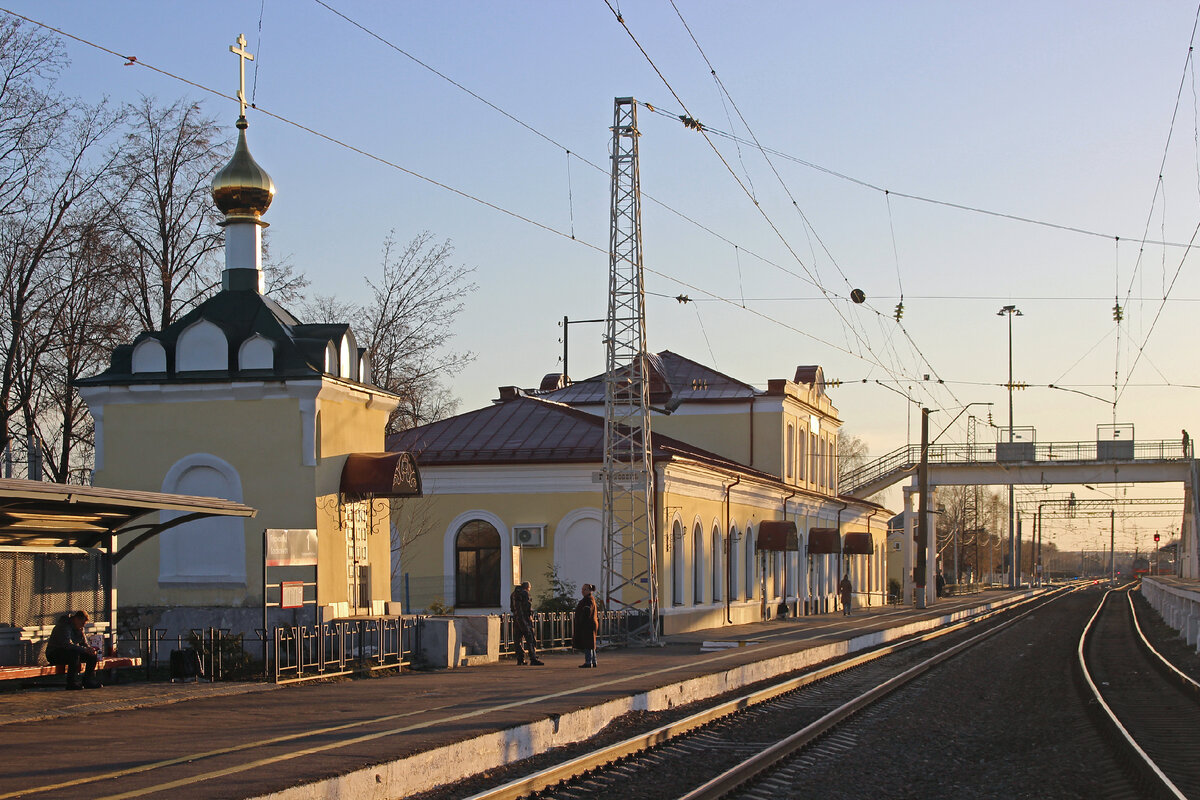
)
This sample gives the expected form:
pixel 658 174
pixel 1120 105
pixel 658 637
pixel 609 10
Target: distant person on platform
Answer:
pixel 521 606
pixel 846 591
pixel 941 585
pixel 68 647
pixel 587 623
pixel 1187 443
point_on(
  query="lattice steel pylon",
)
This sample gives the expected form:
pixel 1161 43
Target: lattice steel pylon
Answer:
pixel 630 571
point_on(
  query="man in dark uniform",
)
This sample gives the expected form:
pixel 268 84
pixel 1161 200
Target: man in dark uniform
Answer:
pixel 66 645
pixel 521 606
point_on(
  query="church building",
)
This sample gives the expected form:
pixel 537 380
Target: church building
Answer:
pixel 240 400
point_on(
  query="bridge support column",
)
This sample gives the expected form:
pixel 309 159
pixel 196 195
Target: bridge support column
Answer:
pixel 910 542
pixel 930 557
pixel 1188 557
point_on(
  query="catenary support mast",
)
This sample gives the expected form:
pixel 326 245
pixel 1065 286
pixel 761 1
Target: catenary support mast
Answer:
pixel 630 573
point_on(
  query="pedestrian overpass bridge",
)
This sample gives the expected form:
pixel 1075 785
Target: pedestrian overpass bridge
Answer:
pixel 1043 463
pixel 1022 463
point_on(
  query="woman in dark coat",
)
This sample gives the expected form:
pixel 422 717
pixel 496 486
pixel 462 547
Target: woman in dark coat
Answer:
pixel 587 622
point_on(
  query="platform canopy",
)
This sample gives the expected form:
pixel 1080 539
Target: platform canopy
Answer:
pixel 824 541
pixel 778 535
pixel 380 475
pixel 858 543
pixel 38 514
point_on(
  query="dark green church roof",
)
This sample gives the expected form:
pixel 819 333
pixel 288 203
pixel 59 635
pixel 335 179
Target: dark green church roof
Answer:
pixel 298 350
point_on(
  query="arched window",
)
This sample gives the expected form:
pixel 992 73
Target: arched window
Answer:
pixel 735 564
pixel 697 564
pixel 677 563
pixel 718 562
pixel 790 446
pixel 750 583
pixel 477 556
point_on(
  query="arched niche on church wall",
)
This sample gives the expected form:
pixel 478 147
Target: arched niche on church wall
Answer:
pixel 202 347
pixel 149 356
pixel 257 352
pixel 347 355
pixel 366 369
pixel 211 550
pixel 331 359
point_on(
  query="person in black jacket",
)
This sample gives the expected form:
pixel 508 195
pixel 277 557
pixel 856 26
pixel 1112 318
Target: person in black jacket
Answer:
pixel 521 606
pixel 586 624
pixel 66 646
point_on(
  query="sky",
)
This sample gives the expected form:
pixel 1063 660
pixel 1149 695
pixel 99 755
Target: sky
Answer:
pixel 961 156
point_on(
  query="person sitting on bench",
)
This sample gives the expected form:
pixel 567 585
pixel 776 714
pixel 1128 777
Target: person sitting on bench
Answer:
pixel 67 646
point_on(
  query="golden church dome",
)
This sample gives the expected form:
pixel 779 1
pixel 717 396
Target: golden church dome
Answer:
pixel 242 188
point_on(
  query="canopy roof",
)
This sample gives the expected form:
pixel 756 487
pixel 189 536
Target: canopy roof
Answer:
pixel 40 514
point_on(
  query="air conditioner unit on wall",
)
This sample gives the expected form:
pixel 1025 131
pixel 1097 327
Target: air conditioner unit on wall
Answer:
pixel 529 535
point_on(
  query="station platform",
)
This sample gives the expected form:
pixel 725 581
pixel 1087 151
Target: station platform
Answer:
pixel 398 735
pixel 1177 600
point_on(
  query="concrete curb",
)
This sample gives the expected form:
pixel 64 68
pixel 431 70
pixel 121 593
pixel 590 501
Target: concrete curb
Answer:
pixel 421 772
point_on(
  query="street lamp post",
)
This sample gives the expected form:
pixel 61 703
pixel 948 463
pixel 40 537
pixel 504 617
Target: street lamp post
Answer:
pixel 1010 312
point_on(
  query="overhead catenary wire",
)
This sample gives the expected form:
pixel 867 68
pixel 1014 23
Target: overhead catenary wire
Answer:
pixel 690 121
pixel 427 179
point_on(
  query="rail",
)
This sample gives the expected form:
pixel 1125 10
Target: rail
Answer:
pixel 904 459
pixel 302 653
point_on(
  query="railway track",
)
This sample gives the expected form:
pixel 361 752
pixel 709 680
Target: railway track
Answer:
pixel 1150 707
pixel 713 752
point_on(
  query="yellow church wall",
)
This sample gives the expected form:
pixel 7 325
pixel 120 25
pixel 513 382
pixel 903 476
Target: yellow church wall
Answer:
pixel 143 441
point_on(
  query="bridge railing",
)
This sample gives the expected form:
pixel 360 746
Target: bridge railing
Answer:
pixel 906 458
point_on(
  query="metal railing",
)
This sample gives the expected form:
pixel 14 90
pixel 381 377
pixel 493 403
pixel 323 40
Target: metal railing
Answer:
pixel 300 653
pixel 906 458
pixel 554 630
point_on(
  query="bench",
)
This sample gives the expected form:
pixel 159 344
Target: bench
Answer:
pixel 111 664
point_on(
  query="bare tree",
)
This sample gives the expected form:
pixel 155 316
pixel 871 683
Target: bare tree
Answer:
pixel 852 453
pixel 163 209
pixel 408 324
pixel 36 248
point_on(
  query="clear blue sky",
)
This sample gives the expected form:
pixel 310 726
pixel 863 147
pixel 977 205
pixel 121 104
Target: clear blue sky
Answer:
pixel 1057 112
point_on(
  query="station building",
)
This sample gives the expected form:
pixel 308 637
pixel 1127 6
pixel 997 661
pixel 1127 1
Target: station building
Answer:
pixel 749 520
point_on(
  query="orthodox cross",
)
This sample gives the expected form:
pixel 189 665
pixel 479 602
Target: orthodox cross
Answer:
pixel 243 56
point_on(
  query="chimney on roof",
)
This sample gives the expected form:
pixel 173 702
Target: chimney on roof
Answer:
pixel 554 381
pixel 510 393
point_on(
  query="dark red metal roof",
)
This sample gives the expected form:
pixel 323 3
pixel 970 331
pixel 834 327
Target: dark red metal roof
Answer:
pixel 858 543
pixel 823 541
pixel 526 429
pixel 675 376
pixel 778 535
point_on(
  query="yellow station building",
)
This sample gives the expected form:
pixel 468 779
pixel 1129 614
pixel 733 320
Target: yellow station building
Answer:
pixel 513 488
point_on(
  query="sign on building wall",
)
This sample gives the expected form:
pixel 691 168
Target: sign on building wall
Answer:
pixel 291 547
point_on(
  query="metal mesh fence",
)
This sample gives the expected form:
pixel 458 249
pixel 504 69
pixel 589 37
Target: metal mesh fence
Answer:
pixel 48 585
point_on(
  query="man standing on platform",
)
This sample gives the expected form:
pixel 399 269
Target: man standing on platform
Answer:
pixel 846 591
pixel 521 606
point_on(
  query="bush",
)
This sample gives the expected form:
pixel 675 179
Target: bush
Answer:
pixel 559 594
pixel 439 609
pixel 894 590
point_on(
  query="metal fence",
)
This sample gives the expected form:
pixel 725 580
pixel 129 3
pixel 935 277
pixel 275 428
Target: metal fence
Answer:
pixel 554 630
pixel 285 654
pixel 341 648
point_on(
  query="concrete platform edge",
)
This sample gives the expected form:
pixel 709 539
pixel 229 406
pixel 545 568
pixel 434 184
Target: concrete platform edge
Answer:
pixel 420 772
